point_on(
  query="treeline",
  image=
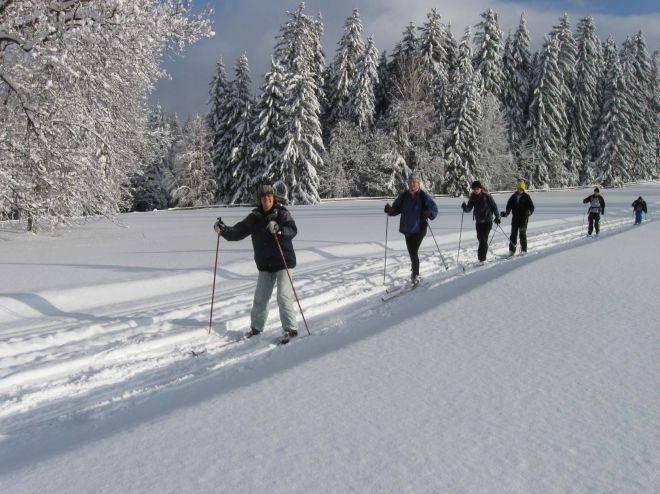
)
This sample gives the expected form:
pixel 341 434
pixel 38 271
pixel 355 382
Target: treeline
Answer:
pixel 577 111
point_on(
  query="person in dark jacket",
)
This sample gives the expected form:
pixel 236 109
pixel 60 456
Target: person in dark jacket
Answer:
pixel 264 222
pixel 484 210
pixel 416 207
pixel 639 207
pixel 596 208
pixel 522 207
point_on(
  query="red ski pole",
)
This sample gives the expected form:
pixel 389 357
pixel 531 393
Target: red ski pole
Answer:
pixel 215 269
pixel 279 247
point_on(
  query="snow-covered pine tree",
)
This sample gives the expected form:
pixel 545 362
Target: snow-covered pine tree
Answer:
pixel 237 184
pixel 547 118
pixel 299 51
pixel 566 65
pixel 363 100
pixel 295 176
pixel 488 53
pixel 218 124
pixel 407 48
pixel 345 70
pixel 614 140
pixel 585 100
pixel 433 58
pixel 517 76
pixel 194 167
pixel 462 149
pixel 655 107
pixel 636 69
pixel 269 129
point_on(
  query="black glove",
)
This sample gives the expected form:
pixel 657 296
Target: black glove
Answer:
pixel 498 221
pixel 219 226
pixel 504 214
pixel 387 208
pixel 464 206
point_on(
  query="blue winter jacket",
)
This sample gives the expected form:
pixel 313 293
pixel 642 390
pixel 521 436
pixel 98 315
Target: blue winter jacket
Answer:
pixel 412 221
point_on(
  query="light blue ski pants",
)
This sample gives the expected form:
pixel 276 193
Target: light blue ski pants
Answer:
pixel 265 285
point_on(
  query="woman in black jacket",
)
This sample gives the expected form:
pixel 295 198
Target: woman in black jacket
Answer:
pixel 262 224
pixel 484 209
pixel 522 207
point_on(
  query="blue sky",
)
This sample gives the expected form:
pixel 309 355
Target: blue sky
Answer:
pixel 250 26
pixel 614 7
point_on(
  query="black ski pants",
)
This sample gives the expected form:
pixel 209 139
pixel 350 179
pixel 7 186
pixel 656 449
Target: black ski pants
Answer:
pixel 413 242
pixel 483 230
pixel 518 227
pixel 594 221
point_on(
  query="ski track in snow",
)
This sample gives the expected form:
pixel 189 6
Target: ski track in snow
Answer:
pixel 89 362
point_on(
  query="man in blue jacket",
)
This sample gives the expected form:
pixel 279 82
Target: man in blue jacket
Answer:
pixel 416 207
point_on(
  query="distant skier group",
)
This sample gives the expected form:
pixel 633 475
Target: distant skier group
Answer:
pixel 272 230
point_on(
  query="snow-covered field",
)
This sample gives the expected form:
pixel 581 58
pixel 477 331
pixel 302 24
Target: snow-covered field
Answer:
pixel 534 374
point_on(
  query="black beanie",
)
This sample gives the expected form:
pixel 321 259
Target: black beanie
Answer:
pixel 476 185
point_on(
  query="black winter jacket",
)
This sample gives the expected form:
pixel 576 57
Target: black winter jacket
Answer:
pixel 266 253
pixel 639 205
pixel 484 207
pixel 587 200
pixel 521 208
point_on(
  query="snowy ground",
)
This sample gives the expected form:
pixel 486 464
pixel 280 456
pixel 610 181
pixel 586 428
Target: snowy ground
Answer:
pixel 534 374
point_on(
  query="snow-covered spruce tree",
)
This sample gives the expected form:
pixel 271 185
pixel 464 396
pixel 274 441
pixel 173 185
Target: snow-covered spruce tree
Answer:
pixel 655 107
pixel 488 53
pixel 294 175
pixel 237 185
pixel 269 129
pixel 345 70
pixel 433 58
pixel 407 48
pixel 73 140
pixel 614 138
pixel 636 68
pixel 194 166
pixel 585 99
pixel 547 119
pixel 299 51
pixel 218 124
pixel 363 100
pixel 566 64
pixel 517 77
pixel 462 151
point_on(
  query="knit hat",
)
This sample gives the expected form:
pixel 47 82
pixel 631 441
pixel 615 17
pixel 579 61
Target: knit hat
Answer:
pixel 596 189
pixel 265 190
pixel 521 184
pixel 476 185
pixel 414 176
